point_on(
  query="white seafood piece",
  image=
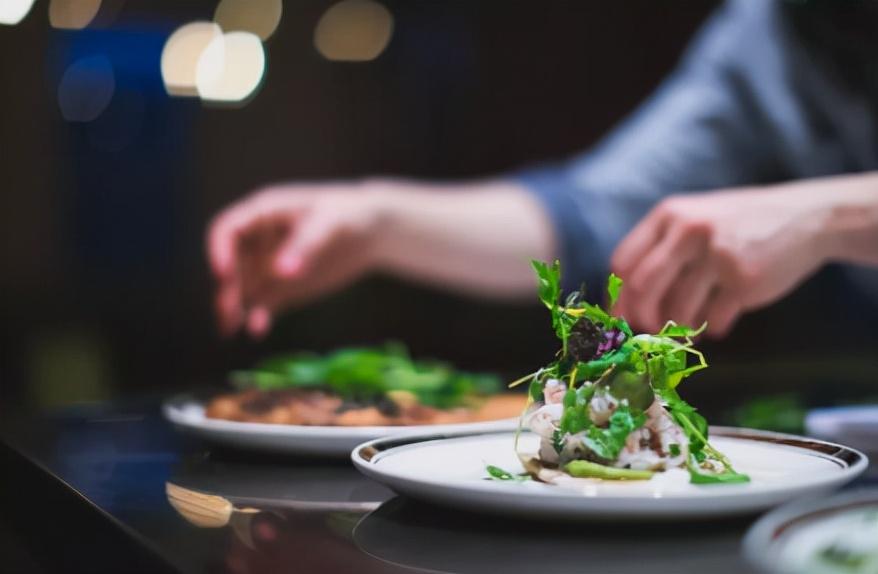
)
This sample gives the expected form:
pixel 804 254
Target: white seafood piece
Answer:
pixel 663 426
pixel 573 447
pixel 637 453
pixel 547 452
pixel 644 459
pixel 601 408
pixel 544 420
pixel 553 391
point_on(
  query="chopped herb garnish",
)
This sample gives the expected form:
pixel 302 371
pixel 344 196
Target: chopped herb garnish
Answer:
pixel 497 473
pixel 369 374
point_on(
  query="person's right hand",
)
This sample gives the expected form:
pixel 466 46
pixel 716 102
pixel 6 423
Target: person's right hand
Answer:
pixel 286 245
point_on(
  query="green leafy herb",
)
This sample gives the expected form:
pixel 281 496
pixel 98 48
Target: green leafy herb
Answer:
pixel 535 390
pixel 614 287
pixel 608 442
pixel 365 373
pixel 696 476
pixel 844 557
pixel 497 473
pixel 575 308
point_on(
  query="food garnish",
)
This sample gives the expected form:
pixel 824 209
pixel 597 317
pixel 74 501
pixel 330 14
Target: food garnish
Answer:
pixel 370 374
pixel 607 406
pixel 380 386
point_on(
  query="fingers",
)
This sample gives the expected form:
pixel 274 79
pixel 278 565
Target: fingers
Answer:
pixel 229 307
pixel 304 244
pixel 280 274
pixel 227 229
pixel 686 302
pixel 638 242
pixel 658 270
pixel 259 322
pixel 236 240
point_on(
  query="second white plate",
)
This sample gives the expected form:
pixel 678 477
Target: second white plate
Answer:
pixel 187 414
pixel 451 470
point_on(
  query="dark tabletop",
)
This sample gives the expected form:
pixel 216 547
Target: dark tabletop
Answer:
pixel 87 490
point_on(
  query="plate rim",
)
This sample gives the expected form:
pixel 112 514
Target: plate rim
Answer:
pixel 366 456
pixel 172 407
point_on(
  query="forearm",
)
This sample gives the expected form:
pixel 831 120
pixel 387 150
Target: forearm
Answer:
pixel 474 237
pixel 853 222
pixel 847 208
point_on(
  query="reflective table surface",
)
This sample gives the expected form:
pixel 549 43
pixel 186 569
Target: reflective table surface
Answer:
pixel 115 488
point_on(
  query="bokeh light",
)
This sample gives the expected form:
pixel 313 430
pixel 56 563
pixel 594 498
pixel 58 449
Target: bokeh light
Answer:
pixel 181 53
pixel 13 11
pixel 86 89
pixel 260 17
pixel 73 14
pixel 354 31
pixel 231 68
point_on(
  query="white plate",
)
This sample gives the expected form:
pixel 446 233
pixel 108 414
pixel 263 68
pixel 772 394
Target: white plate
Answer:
pixel 187 414
pixel 786 540
pixel 452 471
pixel 853 425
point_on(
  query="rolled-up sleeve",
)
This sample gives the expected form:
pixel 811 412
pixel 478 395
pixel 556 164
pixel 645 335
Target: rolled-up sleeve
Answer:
pixel 704 128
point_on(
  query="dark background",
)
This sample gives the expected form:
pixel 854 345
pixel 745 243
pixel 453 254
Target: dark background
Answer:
pixel 104 289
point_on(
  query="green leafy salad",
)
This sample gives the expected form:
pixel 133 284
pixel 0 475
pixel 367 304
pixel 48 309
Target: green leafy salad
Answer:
pixel 607 406
pixel 369 375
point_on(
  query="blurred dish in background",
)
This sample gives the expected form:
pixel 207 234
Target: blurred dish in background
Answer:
pixel 307 403
pixel 188 414
pixel 853 425
pixel 362 387
pixel 834 536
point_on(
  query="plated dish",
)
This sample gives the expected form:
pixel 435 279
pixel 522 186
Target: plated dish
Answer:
pixel 361 387
pixel 187 413
pixel 607 432
pixel 838 535
pixel 451 471
pixel 326 405
pixel 607 406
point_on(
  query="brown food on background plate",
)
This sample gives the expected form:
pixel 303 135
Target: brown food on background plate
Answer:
pixel 319 408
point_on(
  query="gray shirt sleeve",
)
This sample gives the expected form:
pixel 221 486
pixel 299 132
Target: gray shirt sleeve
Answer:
pixel 725 117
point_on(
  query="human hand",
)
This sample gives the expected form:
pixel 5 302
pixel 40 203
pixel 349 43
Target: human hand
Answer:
pixel 713 256
pixel 289 244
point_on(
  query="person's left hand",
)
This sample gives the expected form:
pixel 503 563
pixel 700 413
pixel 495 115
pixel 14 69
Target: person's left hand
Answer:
pixel 713 256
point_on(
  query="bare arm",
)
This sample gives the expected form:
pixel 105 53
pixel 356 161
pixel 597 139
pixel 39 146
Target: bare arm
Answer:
pixel 287 245
pixel 476 239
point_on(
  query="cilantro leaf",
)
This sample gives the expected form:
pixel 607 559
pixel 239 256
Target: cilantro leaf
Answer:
pixel 614 287
pixel 727 477
pixel 535 390
pixel 608 442
pixel 368 373
pixel 497 473
pixel 548 282
pixel 575 417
